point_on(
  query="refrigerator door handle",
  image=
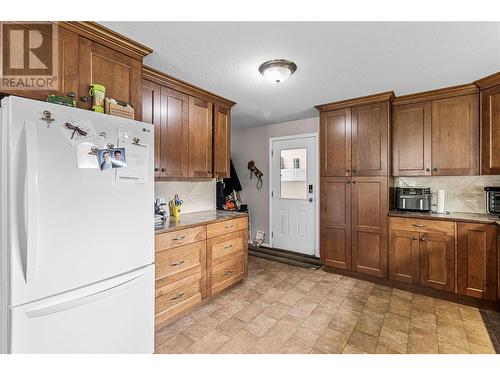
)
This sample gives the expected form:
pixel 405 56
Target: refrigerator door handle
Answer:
pixel 72 303
pixel 30 209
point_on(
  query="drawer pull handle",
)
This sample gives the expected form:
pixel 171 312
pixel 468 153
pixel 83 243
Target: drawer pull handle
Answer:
pixel 180 295
pixel 419 225
pixel 177 263
pixel 229 226
pixel 228 246
pixel 227 273
pixel 179 238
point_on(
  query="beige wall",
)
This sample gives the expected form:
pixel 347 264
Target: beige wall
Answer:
pixel 253 144
pixel 198 195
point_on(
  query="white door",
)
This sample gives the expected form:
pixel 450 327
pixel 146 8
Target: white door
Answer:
pixel 70 227
pixel 293 194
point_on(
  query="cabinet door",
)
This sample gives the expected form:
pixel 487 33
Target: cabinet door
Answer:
pixel 411 140
pixel 67 72
pixel 476 263
pixel 335 249
pixel 120 74
pixel 370 137
pixel 404 256
pixel 222 141
pixel 369 225
pixel 200 138
pixel 151 113
pixel 335 143
pixel 437 261
pixel 174 133
pixel 490 128
pixel 455 136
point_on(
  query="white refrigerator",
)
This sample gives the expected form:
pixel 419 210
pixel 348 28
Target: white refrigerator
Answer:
pixel 77 244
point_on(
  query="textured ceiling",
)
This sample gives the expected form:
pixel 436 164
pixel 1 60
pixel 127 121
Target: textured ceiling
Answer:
pixel 336 60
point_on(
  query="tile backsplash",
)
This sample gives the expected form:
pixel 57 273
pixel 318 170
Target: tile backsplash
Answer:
pixel 198 195
pixel 463 193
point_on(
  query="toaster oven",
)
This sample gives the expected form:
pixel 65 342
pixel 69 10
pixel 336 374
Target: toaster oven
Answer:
pixel 413 198
pixel 493 199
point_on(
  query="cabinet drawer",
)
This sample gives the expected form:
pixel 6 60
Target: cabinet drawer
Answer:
pixel 423 225
pixel 170 240
pixel 174 298
pixel 227 272
pixel 227 226
pixel 227 244
pixel 186 259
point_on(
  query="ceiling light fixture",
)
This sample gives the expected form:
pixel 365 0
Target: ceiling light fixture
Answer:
pixel 277 71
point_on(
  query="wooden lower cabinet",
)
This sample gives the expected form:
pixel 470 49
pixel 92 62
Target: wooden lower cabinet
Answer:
pixel 437 261
pixel 477 260
pixel 404 256
pixel 369 225
pixel 190 268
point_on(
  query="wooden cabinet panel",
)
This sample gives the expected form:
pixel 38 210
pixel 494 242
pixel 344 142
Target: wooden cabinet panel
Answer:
pixel 151 113
pixel 423 225
pixel 370 139
pixel 490 130
pixel 411 139
pixel 437 261
pixel 222 141
pixel 120 74
pixel 67 81
pixel 182 261
pixel 200 138
pixel 227 244
pixel 455 136
pixel 174 134
pixel 335 248
pixel 369 225
pixel 404 256
pixel 227 272
pixel 169 240
pixel 476 263
pixel 335 144
pixel 227 226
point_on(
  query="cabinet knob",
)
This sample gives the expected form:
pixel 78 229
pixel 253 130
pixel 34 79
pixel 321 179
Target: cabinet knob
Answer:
pixel 71 94
pixel 347 170
pixel 157 169
pixel 354 182
pixel 354 170
pixel 84 99
pixel 163 170
pixel 415 238
pixel 348 182
pixel 427 169
pixel 434 169
pixel 423 238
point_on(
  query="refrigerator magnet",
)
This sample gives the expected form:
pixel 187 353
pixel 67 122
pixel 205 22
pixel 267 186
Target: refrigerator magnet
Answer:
pixel 86 156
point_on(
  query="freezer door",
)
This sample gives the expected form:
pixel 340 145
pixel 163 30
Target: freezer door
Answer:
pixel 71 227
pixel 115 316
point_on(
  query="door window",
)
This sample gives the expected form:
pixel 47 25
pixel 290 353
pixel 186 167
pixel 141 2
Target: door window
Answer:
pixel 293 171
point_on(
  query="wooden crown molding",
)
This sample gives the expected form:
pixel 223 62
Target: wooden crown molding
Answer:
pixel 109 38
pixel 176 84
pixel 489 81
pixel 362 100
pixel 447 92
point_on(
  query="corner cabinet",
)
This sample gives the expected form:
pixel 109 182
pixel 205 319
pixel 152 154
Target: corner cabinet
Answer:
pixel 192 128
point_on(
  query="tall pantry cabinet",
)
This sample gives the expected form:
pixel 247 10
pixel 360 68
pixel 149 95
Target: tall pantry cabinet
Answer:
pixel 354 169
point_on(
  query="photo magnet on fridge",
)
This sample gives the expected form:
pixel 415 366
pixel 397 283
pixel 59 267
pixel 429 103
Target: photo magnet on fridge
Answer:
pixel 118 159
pixel 104 158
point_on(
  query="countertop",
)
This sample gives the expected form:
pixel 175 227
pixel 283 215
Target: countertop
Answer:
pixel 452 216
pixel 195 219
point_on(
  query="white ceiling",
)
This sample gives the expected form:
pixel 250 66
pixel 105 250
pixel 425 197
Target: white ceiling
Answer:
pixel 336 60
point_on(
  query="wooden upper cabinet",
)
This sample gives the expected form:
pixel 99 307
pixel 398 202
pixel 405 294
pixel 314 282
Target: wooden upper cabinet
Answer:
pixel 455 136
pixel 490 130
pixel 119 73
pixel 477 257
pixel 404 256
pixel 174 133
pixel 222 141
pixel 336 222
pixel 200 138
pixel 369 225
pixel 411 139
pixel 437 261
pixel 370 140
pixel 151 113
pixel 67 72
pixel 335 146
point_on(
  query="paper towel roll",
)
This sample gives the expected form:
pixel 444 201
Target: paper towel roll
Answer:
pixel 441 201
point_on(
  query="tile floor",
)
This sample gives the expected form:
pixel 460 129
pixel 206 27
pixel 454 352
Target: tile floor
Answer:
pixel 285 309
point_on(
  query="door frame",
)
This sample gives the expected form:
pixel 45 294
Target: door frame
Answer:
pixel 315 137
